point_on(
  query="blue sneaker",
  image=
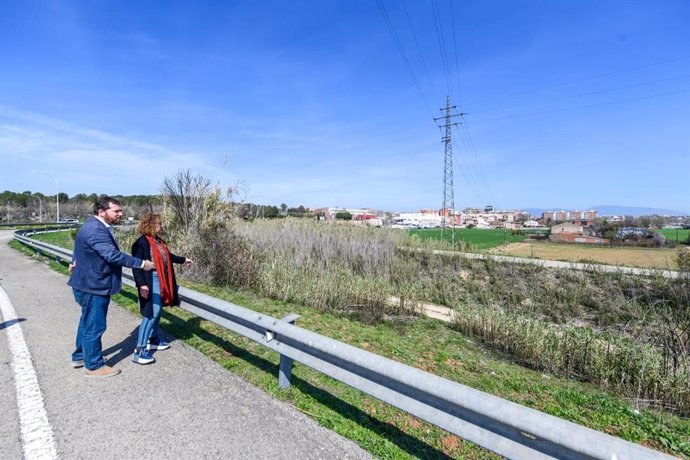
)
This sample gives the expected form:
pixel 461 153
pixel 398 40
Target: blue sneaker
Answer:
pixel 158 345
pixel 143 357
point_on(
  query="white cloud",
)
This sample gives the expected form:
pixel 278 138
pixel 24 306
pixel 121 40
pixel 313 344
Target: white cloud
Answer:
pixel 83 159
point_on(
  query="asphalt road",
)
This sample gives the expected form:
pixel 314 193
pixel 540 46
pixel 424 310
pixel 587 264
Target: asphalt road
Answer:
pixel 183 406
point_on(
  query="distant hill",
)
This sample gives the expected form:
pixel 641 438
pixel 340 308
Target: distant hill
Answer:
pixel 615 210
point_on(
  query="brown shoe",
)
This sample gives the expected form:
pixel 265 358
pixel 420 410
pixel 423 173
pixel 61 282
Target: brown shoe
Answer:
pixel 102 372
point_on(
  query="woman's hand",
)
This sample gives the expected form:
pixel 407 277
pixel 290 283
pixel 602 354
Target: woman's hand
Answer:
pixel 188 262
pixel 144 292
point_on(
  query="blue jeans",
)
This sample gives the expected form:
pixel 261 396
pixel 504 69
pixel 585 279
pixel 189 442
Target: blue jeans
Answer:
pixel 94 309
pixel 149 328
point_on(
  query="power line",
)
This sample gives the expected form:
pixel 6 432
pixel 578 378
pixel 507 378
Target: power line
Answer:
pixel 470 180
pixel 589 93
pixel 455 48
pixel 584 106
pixel 472 171
pixel 419 50
pixel 578 80
pixel 401 50
pixel 473 154
pixel 441 41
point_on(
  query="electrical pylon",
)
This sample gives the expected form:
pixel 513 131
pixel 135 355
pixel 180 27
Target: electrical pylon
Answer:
pixel 448 206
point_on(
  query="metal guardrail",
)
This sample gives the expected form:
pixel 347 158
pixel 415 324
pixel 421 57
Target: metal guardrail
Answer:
pixel 496 424
pixel 63 225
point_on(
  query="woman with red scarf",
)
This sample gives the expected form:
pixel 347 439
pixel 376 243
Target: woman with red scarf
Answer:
pixel 157 288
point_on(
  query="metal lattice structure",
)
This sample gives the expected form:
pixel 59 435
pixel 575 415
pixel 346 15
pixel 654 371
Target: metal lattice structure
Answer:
pixel 448 205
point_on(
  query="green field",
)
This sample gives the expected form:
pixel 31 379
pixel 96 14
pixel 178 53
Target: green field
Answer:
pixel 672 234
pixel 484 239
pixel 62 239
pixel 479 239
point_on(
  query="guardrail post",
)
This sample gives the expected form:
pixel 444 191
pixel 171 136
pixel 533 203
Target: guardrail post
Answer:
pixel 285 367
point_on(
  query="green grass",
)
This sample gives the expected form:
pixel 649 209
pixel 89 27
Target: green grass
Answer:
pixel 424 343
pixel 478 239
pixel 62 239
pixel 30 227
pixel 670 233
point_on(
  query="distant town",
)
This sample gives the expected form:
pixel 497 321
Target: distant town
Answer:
pixel 563 226
pixel 485 218
pixel 579 226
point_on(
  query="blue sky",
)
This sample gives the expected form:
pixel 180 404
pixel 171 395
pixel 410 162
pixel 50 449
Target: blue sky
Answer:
pixel 567 104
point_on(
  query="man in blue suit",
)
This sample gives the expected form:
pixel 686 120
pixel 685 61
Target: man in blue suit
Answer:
pixel 96 275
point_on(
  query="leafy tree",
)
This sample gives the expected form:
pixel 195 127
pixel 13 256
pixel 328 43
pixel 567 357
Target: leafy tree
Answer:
pixel 644 221
pixel 608 230
pixel 270 212
pixel 658 221
pixel 343 215
pixel 300 211
pixel 63 197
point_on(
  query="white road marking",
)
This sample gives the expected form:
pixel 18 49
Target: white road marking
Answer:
pixel 36 433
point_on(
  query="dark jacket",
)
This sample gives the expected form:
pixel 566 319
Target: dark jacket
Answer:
pixel 99 260
pixel 142 249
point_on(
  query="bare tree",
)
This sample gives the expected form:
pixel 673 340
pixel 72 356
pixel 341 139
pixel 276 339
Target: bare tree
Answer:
pixel 187 194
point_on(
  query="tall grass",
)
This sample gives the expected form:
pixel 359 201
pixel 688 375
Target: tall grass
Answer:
pixel 336 267
pixel 637 369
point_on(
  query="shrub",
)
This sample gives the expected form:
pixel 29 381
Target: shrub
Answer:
pixel 682 260
pixel 224 258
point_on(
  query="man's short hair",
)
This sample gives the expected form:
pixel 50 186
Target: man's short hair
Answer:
pixel 103 203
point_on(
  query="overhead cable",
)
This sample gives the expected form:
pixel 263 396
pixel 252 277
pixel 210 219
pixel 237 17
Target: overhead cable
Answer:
pixel 578 80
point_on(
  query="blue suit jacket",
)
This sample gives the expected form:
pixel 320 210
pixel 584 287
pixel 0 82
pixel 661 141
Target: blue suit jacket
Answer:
pixel 99 260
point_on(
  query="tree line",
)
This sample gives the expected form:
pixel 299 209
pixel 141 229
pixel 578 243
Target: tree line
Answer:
pixel 30 206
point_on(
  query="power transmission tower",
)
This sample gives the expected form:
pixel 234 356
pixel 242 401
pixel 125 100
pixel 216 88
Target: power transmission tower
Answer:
pixel 448 206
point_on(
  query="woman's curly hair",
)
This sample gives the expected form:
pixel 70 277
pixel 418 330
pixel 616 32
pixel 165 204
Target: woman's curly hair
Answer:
pixel 147 223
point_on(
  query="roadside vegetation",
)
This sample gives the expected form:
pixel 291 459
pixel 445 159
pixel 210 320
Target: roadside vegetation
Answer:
pixel 424 343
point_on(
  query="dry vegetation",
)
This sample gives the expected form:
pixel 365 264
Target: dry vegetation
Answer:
pixel 627 256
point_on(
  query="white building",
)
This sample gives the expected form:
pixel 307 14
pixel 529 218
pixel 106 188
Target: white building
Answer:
pixel 416 220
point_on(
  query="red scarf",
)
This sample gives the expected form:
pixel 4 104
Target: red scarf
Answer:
pixel 165 281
